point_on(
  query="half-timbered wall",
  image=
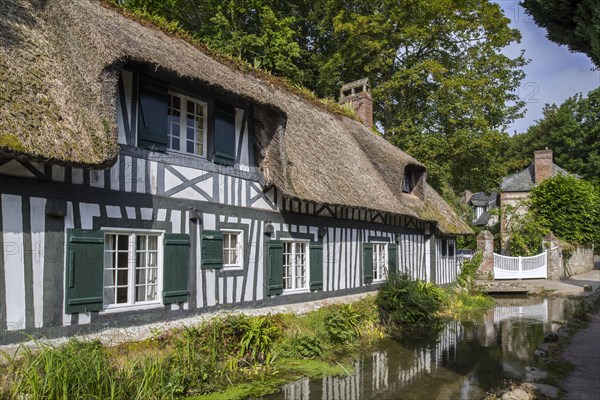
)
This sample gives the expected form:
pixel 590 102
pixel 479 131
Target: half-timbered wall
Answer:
pixel 180 194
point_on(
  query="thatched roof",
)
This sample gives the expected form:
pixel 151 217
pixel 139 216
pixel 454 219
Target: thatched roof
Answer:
pixel 59 64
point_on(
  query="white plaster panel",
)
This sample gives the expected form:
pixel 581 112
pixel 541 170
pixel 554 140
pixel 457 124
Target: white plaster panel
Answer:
pixel 171 180
pixel 128 178
pixel 14 269
pixel 239 282
pixel 113 212
pixel 176 221
pixel 114 175
pixel 38 229
pixel 153 177
pixel 97 178
pixel 161 215
pixel 210 288
pixel 209 221
pixel 207 187
pixel 130 212
pixel 230 282
pixel 189 173
pixel 77 176
pixel 221 298
pixel 146 213
pixel 141 175
pixel 88 212
pixel 189 194
pixel 58 173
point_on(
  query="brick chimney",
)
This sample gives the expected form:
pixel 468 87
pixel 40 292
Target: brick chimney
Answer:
pixel 543 165
pixel 358 93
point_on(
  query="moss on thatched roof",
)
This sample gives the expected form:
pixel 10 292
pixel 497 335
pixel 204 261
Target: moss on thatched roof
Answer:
pixel 59 64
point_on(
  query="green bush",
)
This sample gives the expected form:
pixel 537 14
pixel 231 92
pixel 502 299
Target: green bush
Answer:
pixel 408 304
pixel 259 334
pixel 341 323
pixel 308 346
pixel 569 207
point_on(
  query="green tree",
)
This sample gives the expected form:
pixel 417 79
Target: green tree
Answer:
pixel 571 130
pixel 253 30
pixel 574 23
pixel 442 89
pixel 569 207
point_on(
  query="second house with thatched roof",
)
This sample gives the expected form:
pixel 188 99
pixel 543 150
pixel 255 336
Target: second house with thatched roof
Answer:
pixel 144 180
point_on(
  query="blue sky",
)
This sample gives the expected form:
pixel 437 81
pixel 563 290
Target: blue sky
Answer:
pixel 553 74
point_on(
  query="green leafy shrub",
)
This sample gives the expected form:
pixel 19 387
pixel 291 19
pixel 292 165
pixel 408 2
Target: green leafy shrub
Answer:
pixel 255 344
pixel 408 304
pixel 308 346
pixel 341 323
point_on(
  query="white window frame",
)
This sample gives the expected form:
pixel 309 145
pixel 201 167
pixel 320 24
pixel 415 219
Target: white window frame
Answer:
pixel 293 277
pixel 132 259
pixel 240 249
pixel 380 261
pixel 183 100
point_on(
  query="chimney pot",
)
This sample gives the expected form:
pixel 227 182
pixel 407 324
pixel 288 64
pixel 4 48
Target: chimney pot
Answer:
pixel 358 94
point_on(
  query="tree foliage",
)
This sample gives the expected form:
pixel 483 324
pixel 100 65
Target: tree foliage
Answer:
pixel 574 23
pixel 442 89
pixel 569 207
pixel 571 130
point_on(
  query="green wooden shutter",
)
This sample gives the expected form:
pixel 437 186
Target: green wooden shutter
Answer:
pixel 392 258
pixel 224 140
pixel 212 249
pixel 85 267
pixel 153 114
pixel 275 267
pixel 316 266
pixel 175 268
pixel 367 262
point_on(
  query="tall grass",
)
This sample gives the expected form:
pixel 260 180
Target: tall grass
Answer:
pixel 183 362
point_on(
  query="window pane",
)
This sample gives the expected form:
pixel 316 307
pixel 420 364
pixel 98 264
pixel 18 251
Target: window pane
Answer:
pixel 123 242
pixel 109 296
pixel 152 242
pixel 140 293
pixel 190 147
pixel 191 133
pixel 109 277
pixel 122 277
pixel 140 276
pixel 175 144
pixel 151 293
pixel 152 275
pixel 122 260
pixel 109 242
pixel 122 295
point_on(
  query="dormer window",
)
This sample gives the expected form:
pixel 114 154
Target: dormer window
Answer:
pixel 408 182
pixel 186 125
pixel 171 121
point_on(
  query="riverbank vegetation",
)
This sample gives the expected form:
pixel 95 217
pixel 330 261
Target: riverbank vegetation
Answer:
pixel 231 357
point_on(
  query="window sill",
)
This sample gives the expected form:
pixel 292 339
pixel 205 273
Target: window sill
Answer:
pixel 232 268
pixel 131 307
pixel 295 291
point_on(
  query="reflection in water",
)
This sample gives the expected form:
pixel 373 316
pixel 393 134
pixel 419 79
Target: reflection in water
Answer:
pixel 462 362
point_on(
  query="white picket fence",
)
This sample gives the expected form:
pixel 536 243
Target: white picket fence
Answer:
pixel 506 267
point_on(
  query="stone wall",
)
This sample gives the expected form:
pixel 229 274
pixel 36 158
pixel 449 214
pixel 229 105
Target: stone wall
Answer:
pixel 582 260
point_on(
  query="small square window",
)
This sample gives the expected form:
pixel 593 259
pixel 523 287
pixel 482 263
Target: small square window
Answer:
pixel 233 246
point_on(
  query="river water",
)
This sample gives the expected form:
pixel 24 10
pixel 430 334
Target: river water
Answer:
pixel 462 361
